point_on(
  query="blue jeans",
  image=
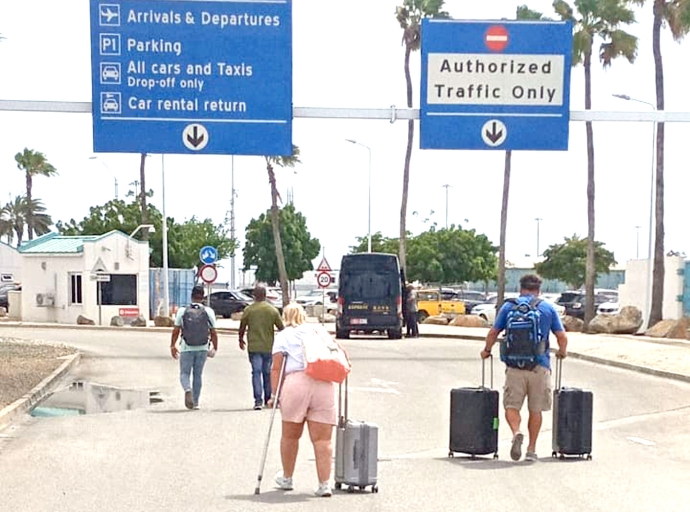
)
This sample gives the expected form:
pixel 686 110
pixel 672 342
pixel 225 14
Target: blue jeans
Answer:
pixel 192 362
pixel 261 369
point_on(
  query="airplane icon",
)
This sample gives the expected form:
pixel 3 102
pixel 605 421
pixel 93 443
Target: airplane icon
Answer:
pixel 110 15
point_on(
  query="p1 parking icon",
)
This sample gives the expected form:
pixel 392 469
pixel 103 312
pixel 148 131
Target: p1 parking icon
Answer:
pixel 109 44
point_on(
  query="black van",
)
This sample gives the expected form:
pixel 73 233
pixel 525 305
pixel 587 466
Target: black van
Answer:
pixel 370 295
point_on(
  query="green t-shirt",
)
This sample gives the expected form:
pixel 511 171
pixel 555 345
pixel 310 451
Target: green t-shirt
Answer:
pixel 260 318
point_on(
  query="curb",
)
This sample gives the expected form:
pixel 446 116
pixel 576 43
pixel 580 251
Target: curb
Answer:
pixel 631 367
pixel 21 325
pixel 43 388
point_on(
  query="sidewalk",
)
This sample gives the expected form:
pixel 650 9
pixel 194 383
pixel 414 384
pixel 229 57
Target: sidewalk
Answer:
pixel 668 358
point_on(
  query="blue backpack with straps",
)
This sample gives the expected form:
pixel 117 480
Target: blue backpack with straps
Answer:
pixel 523 342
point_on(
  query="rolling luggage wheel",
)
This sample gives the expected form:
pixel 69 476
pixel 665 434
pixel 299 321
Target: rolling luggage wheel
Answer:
pixel 589 456
pixel 495 456
pixel 338 486
pixel 350 489
pixel 375 488
pixel 554 454
pixel 451 454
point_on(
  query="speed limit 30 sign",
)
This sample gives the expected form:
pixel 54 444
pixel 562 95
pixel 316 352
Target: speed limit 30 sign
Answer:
pixel 323 279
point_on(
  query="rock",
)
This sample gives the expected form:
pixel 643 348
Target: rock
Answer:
pixel 469 321
pixel 117 321
pixel 676 329
pixel 327 318
pixel 3 312
pixel 573 324
pixel 236 316
pixel 163 321
pixel 436 320
pixel 82 320
pixel 139 321
pixel 628 321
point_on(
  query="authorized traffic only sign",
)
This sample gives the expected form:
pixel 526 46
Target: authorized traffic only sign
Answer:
pixel 192 77
pixel 495 85
pixel 208 274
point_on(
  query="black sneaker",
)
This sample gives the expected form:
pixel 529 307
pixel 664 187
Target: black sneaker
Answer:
pixel 257 407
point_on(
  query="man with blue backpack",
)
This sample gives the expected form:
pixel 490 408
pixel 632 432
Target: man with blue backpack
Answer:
pixel 527 322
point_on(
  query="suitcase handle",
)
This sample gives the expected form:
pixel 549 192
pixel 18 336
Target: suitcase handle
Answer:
pixel 484 372
pixel 559 372
pixel 342 418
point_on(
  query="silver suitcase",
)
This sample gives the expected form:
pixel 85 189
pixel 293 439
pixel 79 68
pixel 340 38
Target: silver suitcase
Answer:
pixel 356 451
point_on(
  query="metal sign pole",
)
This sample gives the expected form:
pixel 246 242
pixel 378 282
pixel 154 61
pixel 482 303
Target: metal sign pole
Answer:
pixel 99 299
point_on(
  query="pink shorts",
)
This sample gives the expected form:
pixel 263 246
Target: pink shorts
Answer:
pixel 305 398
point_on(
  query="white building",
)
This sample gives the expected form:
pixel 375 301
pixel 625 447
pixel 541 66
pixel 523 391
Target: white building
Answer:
pixel 10 264
pixel 59 278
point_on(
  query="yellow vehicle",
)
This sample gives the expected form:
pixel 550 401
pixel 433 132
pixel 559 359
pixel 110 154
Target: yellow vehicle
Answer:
pixel 435 302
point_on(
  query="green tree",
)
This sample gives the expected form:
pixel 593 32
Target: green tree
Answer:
pixel 14 215
pixel 568 261
pixel 280 161
pixel 299 248
pixel 522 13
pixel 32 163
pixel 674 15
pixel 410 15
pixel 379 243
pixel 184 240
pixel 596 19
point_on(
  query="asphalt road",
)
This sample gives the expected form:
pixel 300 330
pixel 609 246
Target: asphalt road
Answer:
pixel 167 458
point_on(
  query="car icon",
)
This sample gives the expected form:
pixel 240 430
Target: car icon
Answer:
pixel 110 73
pixel 110 105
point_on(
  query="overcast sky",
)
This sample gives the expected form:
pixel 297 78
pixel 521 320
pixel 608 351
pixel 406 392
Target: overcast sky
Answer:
pixel 353 58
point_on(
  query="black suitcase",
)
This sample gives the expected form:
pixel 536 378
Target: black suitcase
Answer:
pixel 572 419
pixel 474 419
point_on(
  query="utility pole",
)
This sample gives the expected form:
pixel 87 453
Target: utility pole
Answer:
pixel 446 186
pixel 232 222
pixel 637 242
pixel 538 219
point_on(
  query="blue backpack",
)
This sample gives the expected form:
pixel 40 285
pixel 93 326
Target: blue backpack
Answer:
pixel 523 342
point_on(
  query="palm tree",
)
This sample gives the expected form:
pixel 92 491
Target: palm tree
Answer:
pixel 6 229
pixel 33 163
pixel 601 19
pixel 674 14
pixel 142 195
pixel 522 13
pixel 280 161
pixel 409 16
pixel 14 215
pixel 41 220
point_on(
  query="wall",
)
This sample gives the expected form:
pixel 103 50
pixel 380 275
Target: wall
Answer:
pixel 10 262
pixel 634 291
pixel 50 273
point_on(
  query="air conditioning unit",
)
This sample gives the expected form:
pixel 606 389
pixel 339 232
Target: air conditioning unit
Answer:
pixel 45 299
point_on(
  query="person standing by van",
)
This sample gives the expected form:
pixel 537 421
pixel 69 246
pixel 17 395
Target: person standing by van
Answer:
pixel 411 312
pixel 260 318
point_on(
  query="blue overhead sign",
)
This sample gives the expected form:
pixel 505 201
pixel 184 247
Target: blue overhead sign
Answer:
pixel 495 85
pixel 194 77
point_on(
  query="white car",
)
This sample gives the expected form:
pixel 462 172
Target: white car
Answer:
pixel 315 298
pixel 609 308
pixel 487 310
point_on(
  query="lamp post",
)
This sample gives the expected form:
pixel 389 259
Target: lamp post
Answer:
pixel 95 157
pixel 369 199
pixel 648 291
pixel 166 284
pixel 446 186
pixel 538 219
pixel 637 242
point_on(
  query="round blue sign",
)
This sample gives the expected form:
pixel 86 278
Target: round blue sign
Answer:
pixel 208 255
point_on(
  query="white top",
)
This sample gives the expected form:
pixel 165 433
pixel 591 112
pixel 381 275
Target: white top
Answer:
pixel 290 340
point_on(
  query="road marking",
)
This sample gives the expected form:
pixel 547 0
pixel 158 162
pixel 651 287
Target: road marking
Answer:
pixel 376 390
pixel 639 440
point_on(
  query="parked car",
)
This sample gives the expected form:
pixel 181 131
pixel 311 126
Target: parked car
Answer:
pixel 487 309
pixel 435 302
pixel 574 302
pixel 609 308
pixel 4 288
pixel 317 295
pixel 471 298
pixel 272 297
pixel 225 303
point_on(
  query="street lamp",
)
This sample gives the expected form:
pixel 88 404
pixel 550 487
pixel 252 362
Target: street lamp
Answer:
pixel 637 242
pixel 446 186
pixel 95 157
pixel 648 292
pixel 369 201
pixel 150 227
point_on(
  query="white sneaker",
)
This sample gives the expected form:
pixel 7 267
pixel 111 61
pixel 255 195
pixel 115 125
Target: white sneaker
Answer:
pixel 283 483
pixel 531 456
pixel 516 447
pixel 324 490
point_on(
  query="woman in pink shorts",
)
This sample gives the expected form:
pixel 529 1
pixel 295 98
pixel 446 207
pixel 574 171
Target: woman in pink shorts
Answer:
pixel 302 399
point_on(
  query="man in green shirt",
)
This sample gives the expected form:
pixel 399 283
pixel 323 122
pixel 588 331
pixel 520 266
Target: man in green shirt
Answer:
pixel 260 318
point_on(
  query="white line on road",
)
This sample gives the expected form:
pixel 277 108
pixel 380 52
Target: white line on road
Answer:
pixel 376 390
pixel 639 440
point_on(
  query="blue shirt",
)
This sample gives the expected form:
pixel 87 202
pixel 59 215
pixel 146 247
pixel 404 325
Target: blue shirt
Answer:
pixel 549 322
pixel 178 323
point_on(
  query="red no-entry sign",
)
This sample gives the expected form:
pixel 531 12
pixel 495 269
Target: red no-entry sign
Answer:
pixel 496 38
